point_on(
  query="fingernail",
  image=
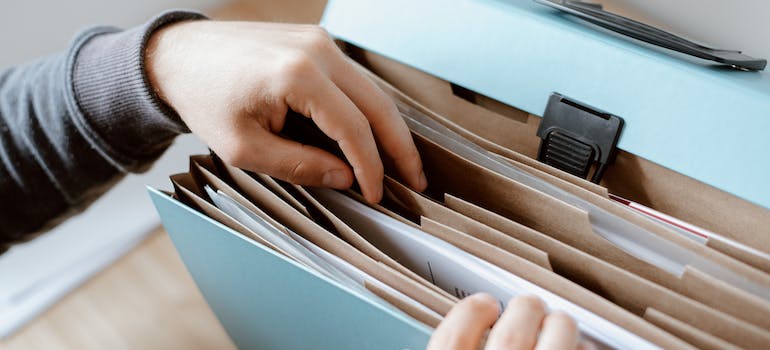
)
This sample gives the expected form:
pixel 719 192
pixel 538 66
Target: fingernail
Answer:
pixel 335 178
pixel 422 182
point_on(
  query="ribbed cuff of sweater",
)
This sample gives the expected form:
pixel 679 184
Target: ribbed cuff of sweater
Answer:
pixel 119 110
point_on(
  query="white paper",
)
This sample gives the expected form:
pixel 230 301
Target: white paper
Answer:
pixel 686 229
pixel 627 236
pixel 358 275
pixel 305 252
pixel 461 273
pixel 272 235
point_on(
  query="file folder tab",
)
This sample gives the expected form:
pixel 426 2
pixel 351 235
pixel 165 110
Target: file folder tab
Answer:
pixel 575 137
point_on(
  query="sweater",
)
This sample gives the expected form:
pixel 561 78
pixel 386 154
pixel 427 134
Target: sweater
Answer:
pixel 75 123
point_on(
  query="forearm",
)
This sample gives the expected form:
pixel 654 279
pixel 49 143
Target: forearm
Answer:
pixel 73 124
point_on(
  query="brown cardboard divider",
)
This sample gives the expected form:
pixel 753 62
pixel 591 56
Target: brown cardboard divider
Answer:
pixel 203 171
pixel 684 331
pixel 630 176
pixel 622 287
pixel 744 266
pixel 271 204
pixel 188 193
pixel 450 173
pixel 717 294
pixel 354 239
pixel 409 309
pixel 751 258
pixel 554 283
pixel 186 188
pixel 422 206
pixel 530 165
pixel 273 185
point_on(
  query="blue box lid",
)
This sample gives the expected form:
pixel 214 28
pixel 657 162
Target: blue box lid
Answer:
pixel 699 119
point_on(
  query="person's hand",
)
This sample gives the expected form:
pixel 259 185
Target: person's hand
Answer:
pixel 232 83
pixel 524 325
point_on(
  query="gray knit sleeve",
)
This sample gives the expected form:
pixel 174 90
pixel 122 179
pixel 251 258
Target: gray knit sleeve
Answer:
pixel 73 124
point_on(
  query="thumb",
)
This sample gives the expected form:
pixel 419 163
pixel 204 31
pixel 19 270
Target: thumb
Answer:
pixel 293 162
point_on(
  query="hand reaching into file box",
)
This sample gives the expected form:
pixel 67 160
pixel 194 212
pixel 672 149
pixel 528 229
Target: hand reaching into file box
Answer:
pixel 233 83
pixel 517 328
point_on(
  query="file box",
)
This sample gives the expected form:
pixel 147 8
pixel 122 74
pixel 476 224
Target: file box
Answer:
pixel 693 146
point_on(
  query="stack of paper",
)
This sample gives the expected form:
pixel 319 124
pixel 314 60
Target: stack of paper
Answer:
pixel 493 222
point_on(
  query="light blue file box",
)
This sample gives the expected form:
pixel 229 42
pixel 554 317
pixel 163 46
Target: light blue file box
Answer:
pixel 516 52
pixel 266 301
pixel 519 52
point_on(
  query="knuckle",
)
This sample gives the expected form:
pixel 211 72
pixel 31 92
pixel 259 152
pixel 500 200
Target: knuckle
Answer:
pixel 236 154
pixel 353 129
pixel 298 66
pixel 446 341
pixel 531 303
pixel 510 339
pixel 384 103
pixel 563 320
pixel 482 303
pixel 318 39
pixel 294 170
pixel 360 129
pixel 410 156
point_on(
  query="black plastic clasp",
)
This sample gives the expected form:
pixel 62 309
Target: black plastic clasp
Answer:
pixel 575 137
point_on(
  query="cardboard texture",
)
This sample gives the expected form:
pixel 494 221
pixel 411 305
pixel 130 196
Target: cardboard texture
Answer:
pixel 183 184
pixel 260 295
pixel 554 283
pixel 274 206
pixel 453 174
pixel 202 169
pixel 273 185
pixel 686 332
pixel 417 314
pixel 201 166
pixel 751 258
pixel 519 52
pixel 354 239
pixel 626 289
pixel 629 176
pixel 522 230
pixel 585 192
pixel 529 164
pixel 421 206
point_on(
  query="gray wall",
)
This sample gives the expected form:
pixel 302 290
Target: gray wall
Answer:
pixel 31 28
pixel 725 24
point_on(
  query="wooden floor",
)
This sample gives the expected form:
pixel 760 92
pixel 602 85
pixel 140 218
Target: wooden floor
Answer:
pixel 147 300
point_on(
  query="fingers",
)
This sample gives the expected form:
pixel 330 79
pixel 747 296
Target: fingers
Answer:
pixel 389 128
pixel 464 325
pixel 586 345
pixel 559 332
pixel 519 325
pixel 320 99
pixel 290 161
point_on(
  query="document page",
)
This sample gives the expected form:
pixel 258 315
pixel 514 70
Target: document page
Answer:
pixel 307 253
pixel 633 239
pixel 462 274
